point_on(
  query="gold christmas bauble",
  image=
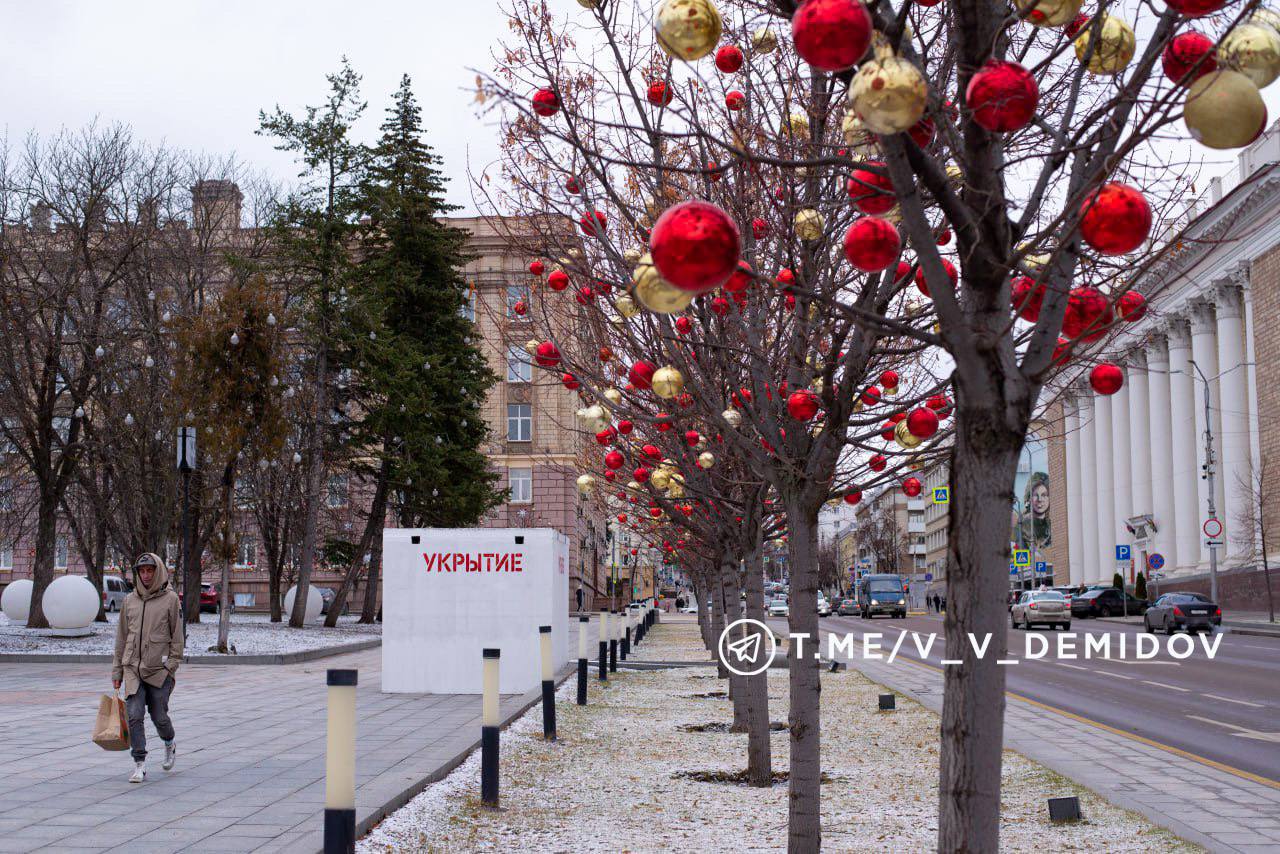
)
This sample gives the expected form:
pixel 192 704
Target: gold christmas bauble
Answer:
pixel 613 396
pixel 1224 110
pixel 1049 13
pixel 862 142
pixel 656 293
pixel 1254 51
pixel 594 418
pixel 904 437
pixel 631 256
pixel 688 29
pixel 667 382
pixel 888 94
pixel 1265 17
pixel 809 224
pixel 531 346
pixel 627 306
pixel 732 417
pixel 633 485
pixel 706 460
pixel 589 4
pixel 586 483
pixel 661 478
pixel 889 392
pixel 799 125
pixel 763 40
pixel 1115 48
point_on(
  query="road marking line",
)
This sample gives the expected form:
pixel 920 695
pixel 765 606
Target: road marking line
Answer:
pixel 952 661
pixel 1116 675
pixel 1006 661
pixel 1143 661
pixel 1165 685
pixel 1243 732
pixel 1141 739
pixel 1072 666
pixel 1230 700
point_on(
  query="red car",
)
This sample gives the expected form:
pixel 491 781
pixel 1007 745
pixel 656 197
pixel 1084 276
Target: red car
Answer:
pixel 210 597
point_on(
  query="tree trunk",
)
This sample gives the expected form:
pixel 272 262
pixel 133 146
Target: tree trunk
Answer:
pixel 275 566
pixel 311 495
pixel 193 568
pixel 224 592
pixel 716 628
pixel 983 465
pixel 369 613
pixel 759 750
pixel 96 566
pixel 733 612
pixel 804 815
pixel 42 571
pixel 372 526
pixel 704 619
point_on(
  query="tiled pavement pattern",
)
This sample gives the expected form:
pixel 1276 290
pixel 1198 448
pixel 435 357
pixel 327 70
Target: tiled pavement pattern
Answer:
pixel 250 772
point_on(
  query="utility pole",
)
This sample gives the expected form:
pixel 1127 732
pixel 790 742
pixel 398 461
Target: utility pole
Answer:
pixel 1209 476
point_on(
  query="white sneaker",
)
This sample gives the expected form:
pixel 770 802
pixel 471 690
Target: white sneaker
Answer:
pixel 170 755
pixel 139 773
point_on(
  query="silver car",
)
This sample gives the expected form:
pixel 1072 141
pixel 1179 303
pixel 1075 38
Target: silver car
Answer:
pixel 1048 607
pixel 114 589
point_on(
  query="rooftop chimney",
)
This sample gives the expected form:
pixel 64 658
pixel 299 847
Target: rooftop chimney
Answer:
pixel 41 217
pixel 216 205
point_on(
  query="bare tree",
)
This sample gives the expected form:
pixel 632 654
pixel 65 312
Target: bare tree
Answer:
pixel 1257 514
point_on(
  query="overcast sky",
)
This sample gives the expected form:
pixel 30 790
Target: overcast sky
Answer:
pixel 195 73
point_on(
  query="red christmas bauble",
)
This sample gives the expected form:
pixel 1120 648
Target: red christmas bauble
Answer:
pixel 735 100
pixel 625 427
pixel 519 308
pixel 1077 24
pixel 570 382
pixel 923 284
pixel 786 277
pixel 558 280
pixel 695 246
pixel 759 228
pixel 640 475
pixel 889 379
pixel 1115 219
pixel 896 417
pixel 547 354
pixel 831 35
pixel 870 192
pixel 659 93
pixel 729 58
pixel 911 487
pixel 1131 306
pixel 641 374
pixel 684 325
pixel 605 436
pixel 606 353
pixel 943 237
pixel 1182 54
pixel 593 224
pixel 572 186
pixel 720 306
pixel 614 460
pixel 1027 298
pixel 878 462
pixel 1061 351
pixel 546 102
pixel 1088 314
pixel 741 278
pixel 923 131
pixel 903 273
pixel 1195 8
pixel 922 422
pixel 871 396
pixel 691 437
pixel 871 244
pixel 663 421
pixel 1003 96
pixel 537 267
pixel 852 496
pixel 652 452
pixel 1106 378
pixel 802 405
pixel 584 295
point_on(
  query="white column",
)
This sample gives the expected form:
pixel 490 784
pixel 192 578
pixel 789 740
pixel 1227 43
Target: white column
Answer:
pixel 1160 418
pixel 1186 465
pixel 1140 431
pixel 1236 471
pixel 1106 554
pixel 1251 372
pixel 1121 461
pixel 1075 546
pixel 1204 352
pixel 1088 489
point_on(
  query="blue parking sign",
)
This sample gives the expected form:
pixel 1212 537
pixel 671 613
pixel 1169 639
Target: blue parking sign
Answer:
pixel 1042 567
pixel 1123 552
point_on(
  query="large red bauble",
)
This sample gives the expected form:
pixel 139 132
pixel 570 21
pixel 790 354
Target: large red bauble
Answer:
pixel 1027 298
pixel 729 58
pixel 1003 96
pixel 1131 306
pixel 786 277
pixel 570 382
pixel 659 93
pixel 640 475
pixel 695 246
pixel 684 325
pixel 625 427
pixel 720 306
pixel 852 496
pixel 802 405
pixel 1195 8
pixel 922 422
pixel 871 244
pixel 641 375
pixel 1115 219
pixel 691 437
pixel 1106 378
pixel 831 35
pixel 614 460
pixel 558 280
pixel 1088 314
pixel 740 280
pixel 923 284
pixel 1182 54
pixel 735 100
pixel 537 267
pixel 759 228
pixel 652 452
pixel 593 224
pixel 912 486
pixel 871 192
pixel 547 354
pixel 663 422
pixel 878 462
pixel 546 102
pixel 605 436
pixel 889 379
pixel 871 396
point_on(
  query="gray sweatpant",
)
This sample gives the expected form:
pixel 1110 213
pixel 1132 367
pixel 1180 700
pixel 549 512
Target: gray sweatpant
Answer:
pixel 155 700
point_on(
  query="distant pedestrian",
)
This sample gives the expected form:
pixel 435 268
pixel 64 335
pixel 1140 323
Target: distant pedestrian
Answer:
pixel 149 642
pixel 581 597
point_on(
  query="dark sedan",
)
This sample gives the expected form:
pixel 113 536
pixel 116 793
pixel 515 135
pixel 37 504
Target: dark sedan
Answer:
pixel 1107 602
pixel 1188 612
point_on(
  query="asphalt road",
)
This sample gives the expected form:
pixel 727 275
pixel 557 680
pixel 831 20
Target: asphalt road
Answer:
pixel 1225 709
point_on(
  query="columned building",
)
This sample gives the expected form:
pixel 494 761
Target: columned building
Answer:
pixel 1202 372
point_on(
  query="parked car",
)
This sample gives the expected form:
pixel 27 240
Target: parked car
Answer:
pixel 211 599
pixel 114 589
pixel 848 606
pixel 327 595
pixel 1189 612
pixel 1067 593
pixel 1048 607
pixel 824 606
pixel 778 607
pixel 882 594
pixel 1107 602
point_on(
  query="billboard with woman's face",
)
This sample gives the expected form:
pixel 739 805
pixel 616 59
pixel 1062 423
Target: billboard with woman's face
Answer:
pixel 1031 528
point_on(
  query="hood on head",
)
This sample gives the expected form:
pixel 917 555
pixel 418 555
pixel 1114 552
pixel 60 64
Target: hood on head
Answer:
pixel 159 580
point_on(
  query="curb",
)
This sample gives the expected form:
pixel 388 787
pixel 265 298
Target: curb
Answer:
pixel 1227 627
pixel 279 658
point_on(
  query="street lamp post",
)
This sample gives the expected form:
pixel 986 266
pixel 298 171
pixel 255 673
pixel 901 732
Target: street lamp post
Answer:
pixel 186 464
pixel 1209 476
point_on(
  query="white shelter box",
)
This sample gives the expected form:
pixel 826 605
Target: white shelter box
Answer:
pixel 449 593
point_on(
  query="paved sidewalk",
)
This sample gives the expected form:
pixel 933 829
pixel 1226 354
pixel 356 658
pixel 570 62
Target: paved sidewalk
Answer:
pixel 250 772
pixel 1200 803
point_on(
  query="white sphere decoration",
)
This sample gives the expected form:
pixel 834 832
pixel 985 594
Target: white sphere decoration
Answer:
pixel 16 600
pixel 70 603
pixel 314 602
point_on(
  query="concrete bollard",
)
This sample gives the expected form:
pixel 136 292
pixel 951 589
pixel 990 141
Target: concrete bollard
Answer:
pixel 604 646
pixel 615 623
pixel 583 623
pixel 489 723
pixel 340 764
pixel 548 685
pixel 626 635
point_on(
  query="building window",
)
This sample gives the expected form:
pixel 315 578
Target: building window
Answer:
pixel 519 367
pixel 61 552
pixel 515 294
pixel 6 493
pixel 246 553
pixel 243 494
pixel 519 422
pixel 521 481
pixel 6 556
pixel 468 309
pixel 337 495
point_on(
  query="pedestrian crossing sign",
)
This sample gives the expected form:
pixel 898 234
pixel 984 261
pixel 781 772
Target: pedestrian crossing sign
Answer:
pixel 941 494
pixel 1021 557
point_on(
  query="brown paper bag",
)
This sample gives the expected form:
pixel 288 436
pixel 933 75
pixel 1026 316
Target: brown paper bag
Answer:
pixel 111 730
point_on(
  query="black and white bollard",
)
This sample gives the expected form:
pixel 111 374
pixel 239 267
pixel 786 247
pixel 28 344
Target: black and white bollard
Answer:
pixel 583 623
pixel 489 723
pixel 340 764
pixel 548 685
pixel 626 634
pixel 604 646
pixel 615 624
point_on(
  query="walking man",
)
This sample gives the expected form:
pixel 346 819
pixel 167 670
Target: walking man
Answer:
pixel 581 596
pixel 149 640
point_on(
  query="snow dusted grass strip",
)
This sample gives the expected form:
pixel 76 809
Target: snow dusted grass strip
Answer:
pixel 614 780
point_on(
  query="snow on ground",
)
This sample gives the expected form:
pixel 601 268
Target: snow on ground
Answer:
pixel 610 784
pixel 251 634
